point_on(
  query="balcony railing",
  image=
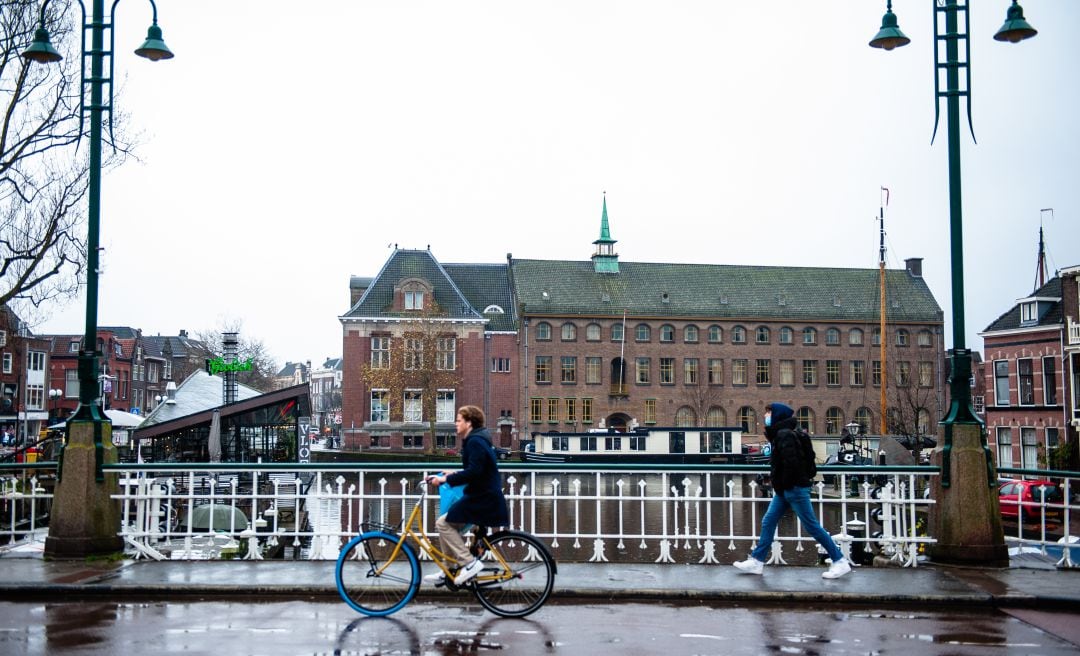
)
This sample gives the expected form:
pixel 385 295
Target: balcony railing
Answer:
pixel 1074 333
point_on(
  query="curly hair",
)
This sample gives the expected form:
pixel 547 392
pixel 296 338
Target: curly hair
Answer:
pixel 473 415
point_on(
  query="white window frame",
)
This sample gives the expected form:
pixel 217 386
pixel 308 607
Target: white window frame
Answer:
pixel 71 383
pixel 1001 383
pixel 413 406
pixel 380 352
pixel 446 356
pixel 445 405
pixel 1003 439
pixel 8 363
pixel 380 405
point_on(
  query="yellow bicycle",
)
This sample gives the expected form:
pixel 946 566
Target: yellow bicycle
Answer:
pixel 378 571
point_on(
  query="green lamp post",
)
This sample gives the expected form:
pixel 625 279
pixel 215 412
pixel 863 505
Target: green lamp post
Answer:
pixel 964 456
pixel 83 525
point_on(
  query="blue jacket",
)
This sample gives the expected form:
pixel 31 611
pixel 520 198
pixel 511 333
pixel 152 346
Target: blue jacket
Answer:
pixel 483 503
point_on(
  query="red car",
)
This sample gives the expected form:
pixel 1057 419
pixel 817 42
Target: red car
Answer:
pixel 1030 499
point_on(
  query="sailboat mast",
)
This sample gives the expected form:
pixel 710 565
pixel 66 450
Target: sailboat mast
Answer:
pixel 881 295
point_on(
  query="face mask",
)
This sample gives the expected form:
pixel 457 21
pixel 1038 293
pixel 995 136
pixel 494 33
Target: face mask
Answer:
pixel 768 420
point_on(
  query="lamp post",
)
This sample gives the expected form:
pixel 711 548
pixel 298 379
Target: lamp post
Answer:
pixel 87 427
pixel 963 430
pixel 54 398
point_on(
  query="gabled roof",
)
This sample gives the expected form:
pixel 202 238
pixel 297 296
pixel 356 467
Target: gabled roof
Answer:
pixel 1052 316
pixel 642 289
pixel 378 299
pixel 120 332
pixel 199 392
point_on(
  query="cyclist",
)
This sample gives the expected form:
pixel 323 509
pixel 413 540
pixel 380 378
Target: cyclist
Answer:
pixel 483 503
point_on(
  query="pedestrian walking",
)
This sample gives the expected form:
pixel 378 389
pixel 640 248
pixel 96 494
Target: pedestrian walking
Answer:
pixel 791 469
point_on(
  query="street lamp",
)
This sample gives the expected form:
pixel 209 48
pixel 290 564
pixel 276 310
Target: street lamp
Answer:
pixel 54 398
pixel 966 522
pixel 84 514
pixel 42 51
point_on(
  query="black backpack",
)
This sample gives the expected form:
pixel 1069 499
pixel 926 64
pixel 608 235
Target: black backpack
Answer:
pixel 806 450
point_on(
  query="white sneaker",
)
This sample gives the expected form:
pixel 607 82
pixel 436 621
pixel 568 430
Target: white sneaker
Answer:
pixel 469 572
pixel 438 578
pixel 750 566
pixel 836 570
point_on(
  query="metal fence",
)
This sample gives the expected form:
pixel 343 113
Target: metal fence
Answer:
pixel 1044 519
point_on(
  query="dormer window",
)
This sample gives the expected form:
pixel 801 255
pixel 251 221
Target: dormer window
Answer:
pixel 413 294
pixel 414 299
pixel 1029 312
pixel 73 347
pixel 493 309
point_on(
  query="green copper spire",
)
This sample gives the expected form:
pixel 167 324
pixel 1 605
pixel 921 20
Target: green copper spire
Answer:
pixel 605 260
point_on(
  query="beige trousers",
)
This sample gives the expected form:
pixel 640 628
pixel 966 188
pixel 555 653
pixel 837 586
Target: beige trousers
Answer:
pixel 451 541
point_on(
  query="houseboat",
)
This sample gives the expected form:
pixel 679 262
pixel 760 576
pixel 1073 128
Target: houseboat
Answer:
pixel 689 445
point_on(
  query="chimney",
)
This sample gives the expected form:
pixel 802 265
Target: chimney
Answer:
pixel 914 266
pixel 170 392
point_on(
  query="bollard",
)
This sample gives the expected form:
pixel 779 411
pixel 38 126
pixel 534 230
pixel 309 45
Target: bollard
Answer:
pixel 860 554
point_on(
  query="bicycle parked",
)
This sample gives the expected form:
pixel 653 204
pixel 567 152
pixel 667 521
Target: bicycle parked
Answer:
pixel 378 571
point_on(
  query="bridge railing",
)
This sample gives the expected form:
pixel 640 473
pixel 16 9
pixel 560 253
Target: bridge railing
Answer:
pixel 1046 519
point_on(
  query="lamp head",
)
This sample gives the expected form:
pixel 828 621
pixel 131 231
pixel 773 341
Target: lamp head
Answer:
pixel 1015 29
pixel 889 36
pixel 41 50
pixel 154 47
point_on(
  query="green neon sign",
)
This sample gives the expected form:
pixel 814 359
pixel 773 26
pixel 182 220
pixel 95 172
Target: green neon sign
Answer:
pixel 217 365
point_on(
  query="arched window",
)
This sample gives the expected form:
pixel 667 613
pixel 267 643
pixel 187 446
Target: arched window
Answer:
pixel 832 337
pixel 762 335
pixel 716 334
pixel 865 419
pixel 809 335
pixel 787 335
pixel 690 334
pixel 716 417
pixel 569 332
pixel 616 332
pixel 855 337
pixel 903 338
pixel 494 309
pixel 738 335
pixel 667 333
pixel 685 416
pixel 805 417
pixel 923 422
pixel 834 421
pixel 748 419
pixel 641 332
pixel 543 331
pixel 592 332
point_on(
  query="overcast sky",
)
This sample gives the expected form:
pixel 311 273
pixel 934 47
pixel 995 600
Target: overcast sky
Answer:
pixel 290 145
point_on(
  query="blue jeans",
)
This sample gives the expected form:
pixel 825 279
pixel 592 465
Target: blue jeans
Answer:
pixel 798 499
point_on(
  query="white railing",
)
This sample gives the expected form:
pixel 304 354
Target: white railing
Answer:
pixel 24 507
pixel 673 514
pixel 1074 333
pixel 1045 524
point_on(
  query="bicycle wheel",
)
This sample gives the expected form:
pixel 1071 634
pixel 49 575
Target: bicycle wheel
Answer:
pixel 369 582
pixel 524 583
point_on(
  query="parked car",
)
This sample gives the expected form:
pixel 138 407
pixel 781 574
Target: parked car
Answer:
pixel 1030 500
pixel 502 453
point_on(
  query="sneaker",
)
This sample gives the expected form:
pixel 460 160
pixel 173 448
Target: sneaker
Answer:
pixel 469 572
pixel 836 570
pixel 438 578
pixel 750 566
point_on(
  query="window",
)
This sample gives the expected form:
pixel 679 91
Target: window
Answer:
pixel 1052 437
pixel 71 383
pixel 1049 381
pixel 642 365
pixel 667 333
pixel 444 406
pixel 875 373
pixel 738 372
pixel 616 332
pixel 414 353
pixel 1029 314
pixel 73 347
pixel 641 333
pixel 1025 375
pixel 588 443
pixel 685 416
pixel 690 371
pixel 569 332
pixel 925 338
pixel 500 365
pixel 832 337
pixel 805 417
pixel 586 411
pixel 35 361
pixel 902 338
pixel 809 372
pixel 1004 446
pixel 832 373
pixel 978 401
pixel 571 410
pixel 875 337
pixel 738 335
pixel 494 309
pixel 3 338
pixel 747 419
pixel 834 421
pixel 8 363
pixel 553 411
pixel 152 372
pixel 787 372
pixel 592 371
pixel 380 405
pixel 690 334
pixel 637 442
pixel 715 441
pixel 592 332
pixel 809 335
pixel 855 337
pixel 414 405
pixel 413 441
pixel 612 444
pixel 858 373
pixel 560 444
pixel 667 371
pixel 715 417
pixel 536 410
pixel 543 331
pixel 926 374
pixel 716 334
pixel 650 411
pixel 446 354
pixel 569 369
pixel 787 335
pixel 716 371
pixel 762 335
pixel 903 373
pixel 763 373
pixel 414 299
pixel 1001 382
pixel 543 369
pixel 922 421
